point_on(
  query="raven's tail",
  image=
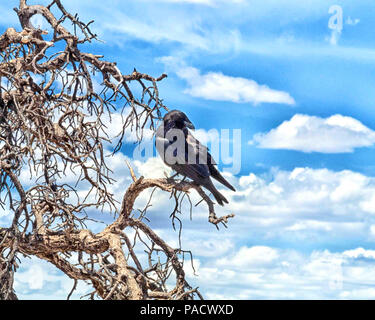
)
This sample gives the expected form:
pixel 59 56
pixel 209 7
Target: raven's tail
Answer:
pixel 217 175
pixel 218 196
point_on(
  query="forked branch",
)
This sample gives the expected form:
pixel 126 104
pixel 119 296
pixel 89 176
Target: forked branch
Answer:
pixel 56 106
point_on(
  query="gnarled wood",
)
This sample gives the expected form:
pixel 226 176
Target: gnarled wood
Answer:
pixel 52 123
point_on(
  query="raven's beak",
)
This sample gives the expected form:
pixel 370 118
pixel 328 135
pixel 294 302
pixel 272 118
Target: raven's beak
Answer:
pixel 189 125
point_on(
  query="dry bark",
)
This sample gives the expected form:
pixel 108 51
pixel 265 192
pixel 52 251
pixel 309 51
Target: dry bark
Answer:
pixel 51 122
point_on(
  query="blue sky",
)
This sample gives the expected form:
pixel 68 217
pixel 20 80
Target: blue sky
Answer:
pixel 304 100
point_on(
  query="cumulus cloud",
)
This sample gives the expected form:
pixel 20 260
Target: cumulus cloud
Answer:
pixel 38 279
pixel 263 272
pixel 313 207
pixel 248 272
pixel 335 134
pixel 153 168
pixel 254 256
pixel 220 87
pixel 306 190
pixel 34 277
pixel 113 126
pixel 360 253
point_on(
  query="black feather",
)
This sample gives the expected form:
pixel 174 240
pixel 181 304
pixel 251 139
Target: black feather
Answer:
pixel 197 163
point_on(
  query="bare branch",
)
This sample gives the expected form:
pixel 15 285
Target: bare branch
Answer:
pixel 54 99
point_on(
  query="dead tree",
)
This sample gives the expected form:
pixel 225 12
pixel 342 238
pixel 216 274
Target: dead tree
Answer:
pixel 51 122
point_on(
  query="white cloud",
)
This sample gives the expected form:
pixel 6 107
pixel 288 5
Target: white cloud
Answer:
pixel 310 205
pixel 310 225
pixel 336 134
pixel 220 87
pixel 201 29
pixel 288 274
pixel 153 168
pixel 114 124
pixel 360 253
pixel 208 247
pixel 38 279
pixel 304 206
pixel 34 277
pixel 249 257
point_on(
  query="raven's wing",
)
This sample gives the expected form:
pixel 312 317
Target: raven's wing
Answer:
pixel 201 151
pixel 191 166
pixel 161 143
pixel 186 163
pixel 198 172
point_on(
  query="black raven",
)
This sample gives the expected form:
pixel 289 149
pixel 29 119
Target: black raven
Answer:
pixel 186 155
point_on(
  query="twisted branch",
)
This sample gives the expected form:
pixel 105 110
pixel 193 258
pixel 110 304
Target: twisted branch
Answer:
pixel 54 99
